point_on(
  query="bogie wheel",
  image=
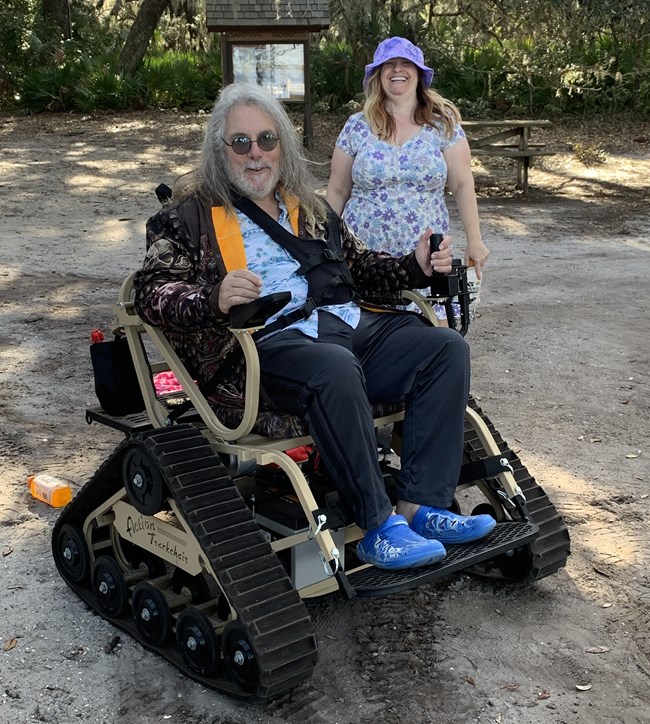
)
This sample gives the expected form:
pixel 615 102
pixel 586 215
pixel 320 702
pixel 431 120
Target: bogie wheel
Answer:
pixel 143 481
pixel 515 565
pixel 238 656
pixel 71 553
pixel 151 613
pixel 485 509
pixel 109 586
pixel 196 586
pixel 197 641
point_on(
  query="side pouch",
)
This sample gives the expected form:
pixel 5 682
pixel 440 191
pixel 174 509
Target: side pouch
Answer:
pixel 116 383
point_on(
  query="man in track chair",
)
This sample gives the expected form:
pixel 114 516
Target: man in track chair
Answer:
pixel 248 223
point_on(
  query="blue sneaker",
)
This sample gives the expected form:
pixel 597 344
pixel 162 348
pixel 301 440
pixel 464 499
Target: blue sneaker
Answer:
pixel 447 527
pixel 394 545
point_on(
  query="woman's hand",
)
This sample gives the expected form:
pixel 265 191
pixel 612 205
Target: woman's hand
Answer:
pixel 478 253
pixel 439 261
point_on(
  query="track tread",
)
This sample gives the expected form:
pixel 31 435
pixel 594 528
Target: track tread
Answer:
pixel 551 548
pixel 267 605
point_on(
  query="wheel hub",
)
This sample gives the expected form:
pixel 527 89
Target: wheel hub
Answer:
pixel 151 613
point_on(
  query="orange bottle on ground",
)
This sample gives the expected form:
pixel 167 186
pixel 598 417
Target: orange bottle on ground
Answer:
pixel 50 489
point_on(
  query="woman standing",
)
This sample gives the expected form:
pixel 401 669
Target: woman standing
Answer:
pixel 392 160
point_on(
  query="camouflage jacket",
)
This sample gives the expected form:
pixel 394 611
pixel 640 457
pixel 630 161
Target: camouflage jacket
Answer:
pixel 183 264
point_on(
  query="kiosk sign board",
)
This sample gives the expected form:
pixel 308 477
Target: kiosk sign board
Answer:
pixel 277 67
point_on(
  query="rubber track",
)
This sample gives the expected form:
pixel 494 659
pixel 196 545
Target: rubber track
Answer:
pixel 551 548
pixel 250 574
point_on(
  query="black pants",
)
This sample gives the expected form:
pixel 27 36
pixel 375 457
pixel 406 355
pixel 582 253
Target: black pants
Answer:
pixel 389 358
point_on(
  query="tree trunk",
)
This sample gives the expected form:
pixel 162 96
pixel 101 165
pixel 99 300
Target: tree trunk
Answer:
pixel 58 11
pixel 140 34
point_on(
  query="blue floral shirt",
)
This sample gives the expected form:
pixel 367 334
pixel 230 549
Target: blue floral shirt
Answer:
pixel 397 191
pixel 277 269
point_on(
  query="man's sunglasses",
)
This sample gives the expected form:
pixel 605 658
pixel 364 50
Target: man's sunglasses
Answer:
pixel 241 145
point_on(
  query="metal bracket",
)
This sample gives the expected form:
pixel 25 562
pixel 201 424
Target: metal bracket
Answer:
pixel 505 463
pixel 337 562
pixel 321 520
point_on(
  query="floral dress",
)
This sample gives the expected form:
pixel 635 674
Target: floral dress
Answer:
pixel 397 191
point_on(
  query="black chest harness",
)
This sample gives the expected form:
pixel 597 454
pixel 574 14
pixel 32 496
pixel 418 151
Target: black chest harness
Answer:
pixel 321 262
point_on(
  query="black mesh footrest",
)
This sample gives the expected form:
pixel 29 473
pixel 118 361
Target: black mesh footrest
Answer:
pixel 506 536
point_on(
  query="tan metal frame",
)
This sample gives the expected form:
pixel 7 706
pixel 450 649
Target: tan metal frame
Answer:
pixel 240 443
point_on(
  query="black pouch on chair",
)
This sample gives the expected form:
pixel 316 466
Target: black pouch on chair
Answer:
pixel 116 383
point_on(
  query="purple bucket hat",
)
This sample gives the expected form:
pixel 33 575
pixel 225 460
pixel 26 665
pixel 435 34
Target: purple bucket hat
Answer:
pixel 398 48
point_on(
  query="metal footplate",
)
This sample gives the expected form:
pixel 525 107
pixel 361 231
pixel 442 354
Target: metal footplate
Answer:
pixel 140 421
pixel 270 613
pixel 504 538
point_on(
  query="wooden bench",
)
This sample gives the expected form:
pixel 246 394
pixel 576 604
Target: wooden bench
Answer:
pixel 495 143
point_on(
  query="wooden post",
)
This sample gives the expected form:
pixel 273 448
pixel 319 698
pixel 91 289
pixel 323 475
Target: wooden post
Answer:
pixel 308 133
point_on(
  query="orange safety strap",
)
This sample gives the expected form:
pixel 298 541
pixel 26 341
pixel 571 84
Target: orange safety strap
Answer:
pixel 229 236
pixel 293 207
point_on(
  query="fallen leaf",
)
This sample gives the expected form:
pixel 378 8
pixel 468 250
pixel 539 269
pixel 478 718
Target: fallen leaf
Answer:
pixel 602 573
pixel 110 646
pixel 9 644
pixel 7 551
pixel 544 694
pixel 470 680
pixel 583 687
pixel 598 650
pixel 511 686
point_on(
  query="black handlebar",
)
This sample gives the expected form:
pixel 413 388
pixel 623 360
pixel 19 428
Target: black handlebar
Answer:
pixel 434 242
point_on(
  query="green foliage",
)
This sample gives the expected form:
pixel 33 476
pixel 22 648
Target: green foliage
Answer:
pixel 29 43
pixel 104 88
pixel 51 88
pixel 335 76
pixel 518 56
pixel 527 57
pixel 183 79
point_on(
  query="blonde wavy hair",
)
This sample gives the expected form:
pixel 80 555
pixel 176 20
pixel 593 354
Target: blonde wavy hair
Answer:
pixel 431 110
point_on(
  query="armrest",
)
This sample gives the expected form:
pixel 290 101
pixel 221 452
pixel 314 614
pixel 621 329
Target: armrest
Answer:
pixel 134 327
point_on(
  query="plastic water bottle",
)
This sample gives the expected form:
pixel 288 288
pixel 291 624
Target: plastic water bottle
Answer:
pixel 50 489
pixel 474 289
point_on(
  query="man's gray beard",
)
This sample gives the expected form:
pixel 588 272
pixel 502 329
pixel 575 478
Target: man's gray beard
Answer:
pixel 237 178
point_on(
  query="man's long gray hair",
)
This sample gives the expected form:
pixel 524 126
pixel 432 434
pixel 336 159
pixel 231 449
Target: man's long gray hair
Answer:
pixel 211 178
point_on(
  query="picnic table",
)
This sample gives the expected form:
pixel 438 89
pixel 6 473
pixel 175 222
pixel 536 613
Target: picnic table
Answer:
pixel 497 142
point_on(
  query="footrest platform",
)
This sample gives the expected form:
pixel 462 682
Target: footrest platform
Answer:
pixel 373 581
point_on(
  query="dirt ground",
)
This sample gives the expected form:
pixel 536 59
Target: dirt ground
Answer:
pixel 561 354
